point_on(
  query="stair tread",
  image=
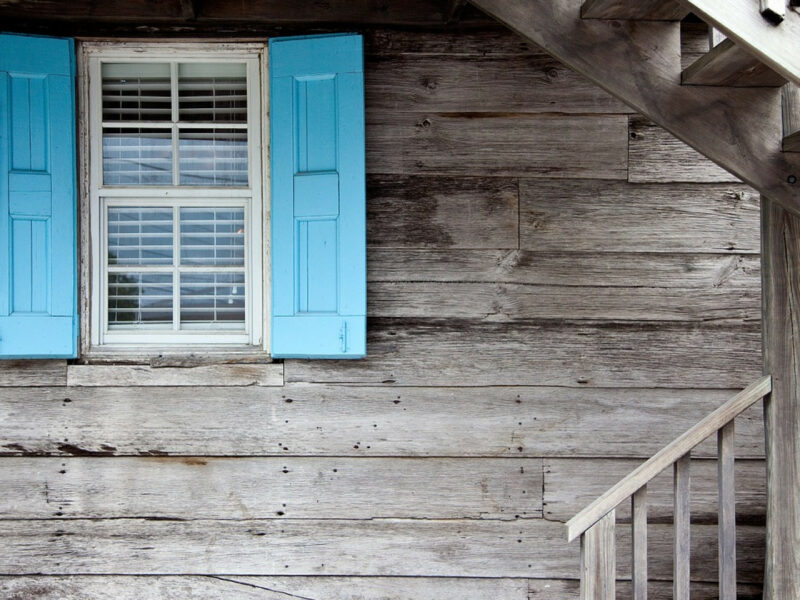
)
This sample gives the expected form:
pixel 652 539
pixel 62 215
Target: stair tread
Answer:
pixel 728 64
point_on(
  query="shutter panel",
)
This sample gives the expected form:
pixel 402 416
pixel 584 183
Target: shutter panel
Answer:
pixel 38 234
pixel 319 295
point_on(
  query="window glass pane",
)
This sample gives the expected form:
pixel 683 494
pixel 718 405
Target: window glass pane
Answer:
pixel 212 298
pixel 141 299
pixel 139 236
pixel 212 236
pixel 137 157
pixel 136 92
pixel 213 157
pixel 212 92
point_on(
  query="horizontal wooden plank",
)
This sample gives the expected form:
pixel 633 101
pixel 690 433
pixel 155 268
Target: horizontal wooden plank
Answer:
pixel 361 421
pixel 509 302
pixel 478 144
pixel 656 156
pixel 490 41
pixel 731 65
pixel 442 212
pixel 653 10
pixel 465 352
pixel 472 548
pixel 268 374
pixel 622 217
pixel 571 484
pixel 238 587
pixel 33 372
pixel 733 272
pixel 532 83
pixel 262 488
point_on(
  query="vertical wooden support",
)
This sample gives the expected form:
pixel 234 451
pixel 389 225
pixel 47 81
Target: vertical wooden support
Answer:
pixel 727 512
pixel 780 257
pixel 639 544
pixel 791 118
pixel 682 481
pixel 598 560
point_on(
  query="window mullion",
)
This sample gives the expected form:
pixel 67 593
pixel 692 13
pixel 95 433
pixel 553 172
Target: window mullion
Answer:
pixel 173 81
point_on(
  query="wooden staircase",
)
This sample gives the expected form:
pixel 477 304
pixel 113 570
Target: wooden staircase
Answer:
pixel 631 48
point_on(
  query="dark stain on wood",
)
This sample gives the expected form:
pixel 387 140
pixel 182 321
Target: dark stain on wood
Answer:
pixel 79 451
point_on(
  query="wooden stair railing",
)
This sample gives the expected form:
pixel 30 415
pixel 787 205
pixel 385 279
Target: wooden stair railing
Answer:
pixel 632 49
pixel 595 524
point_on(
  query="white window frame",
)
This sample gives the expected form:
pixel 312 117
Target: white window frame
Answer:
pixel 97 338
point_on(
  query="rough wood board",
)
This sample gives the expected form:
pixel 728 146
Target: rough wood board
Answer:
pixel 238 587
pixel 263 488
pixel 493 40
pixel 270 374
pixel 465 352
pixel 656 156
pixel 653 10
pixel 510 302
pixel 791 117
pixel 33 373
pixel 731 65
pixel 733 272
pixel 532 83
pixel 341 421
pixel 781 275
pixel 517 144
pixel 442 212
pixel 595 216
pixel 456 548
pixel 639 62
pixel 571 484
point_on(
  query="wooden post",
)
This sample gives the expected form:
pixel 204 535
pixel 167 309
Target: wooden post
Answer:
pixel 598 560
pixel 780 259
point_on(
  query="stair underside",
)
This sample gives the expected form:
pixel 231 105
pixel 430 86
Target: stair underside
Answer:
pixel 639 63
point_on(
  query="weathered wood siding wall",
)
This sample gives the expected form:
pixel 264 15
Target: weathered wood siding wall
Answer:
pixel 556 289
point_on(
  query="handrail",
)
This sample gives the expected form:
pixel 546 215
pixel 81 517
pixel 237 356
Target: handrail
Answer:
pixel 639 477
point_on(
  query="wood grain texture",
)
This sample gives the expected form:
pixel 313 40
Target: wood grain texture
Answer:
pixel 651 10
pixel 571 484
pixel 791 118
pixel 676 453
pixel 309 420
pixel 442 212
pixel 270 374
pixel 263 488
pixel 32 373
pixel 598 560
pixel 639 62
pixel 530 83
pixel 682 533
pixel 516 144
pixel 622 217
pixel 445 352
pixel 238 587
pixel 781 316
pixel 511 302
pixel 639 544
pixel 726 486
pixel 730 65
pixel 381 547
pixel 737 273
pixel 656 156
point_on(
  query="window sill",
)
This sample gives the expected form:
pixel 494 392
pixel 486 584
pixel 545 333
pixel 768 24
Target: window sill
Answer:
pixel 210 367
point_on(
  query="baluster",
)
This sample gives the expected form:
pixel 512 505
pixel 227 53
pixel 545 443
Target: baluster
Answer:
pixel 680 586
pixel 727 512
pixel 639 543
pixel 598 560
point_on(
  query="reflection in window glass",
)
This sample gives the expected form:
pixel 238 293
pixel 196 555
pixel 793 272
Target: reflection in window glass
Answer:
pixel 137 157
pixel 213 157
pixel 139 236
pixel 139 299
pixel 136 92
pixel 212 298
pixel 212 236
pixel 212 92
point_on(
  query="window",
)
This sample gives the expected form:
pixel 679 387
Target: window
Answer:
pixel 175 195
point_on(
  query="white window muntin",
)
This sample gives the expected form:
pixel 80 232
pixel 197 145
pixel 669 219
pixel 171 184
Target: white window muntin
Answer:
pixel 250 196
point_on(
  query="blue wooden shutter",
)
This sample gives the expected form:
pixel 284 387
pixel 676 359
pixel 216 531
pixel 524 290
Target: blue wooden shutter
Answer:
pixel 38 268
pixel 318 198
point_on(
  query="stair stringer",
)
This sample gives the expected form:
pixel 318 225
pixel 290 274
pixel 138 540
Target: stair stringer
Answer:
pixel 639 63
